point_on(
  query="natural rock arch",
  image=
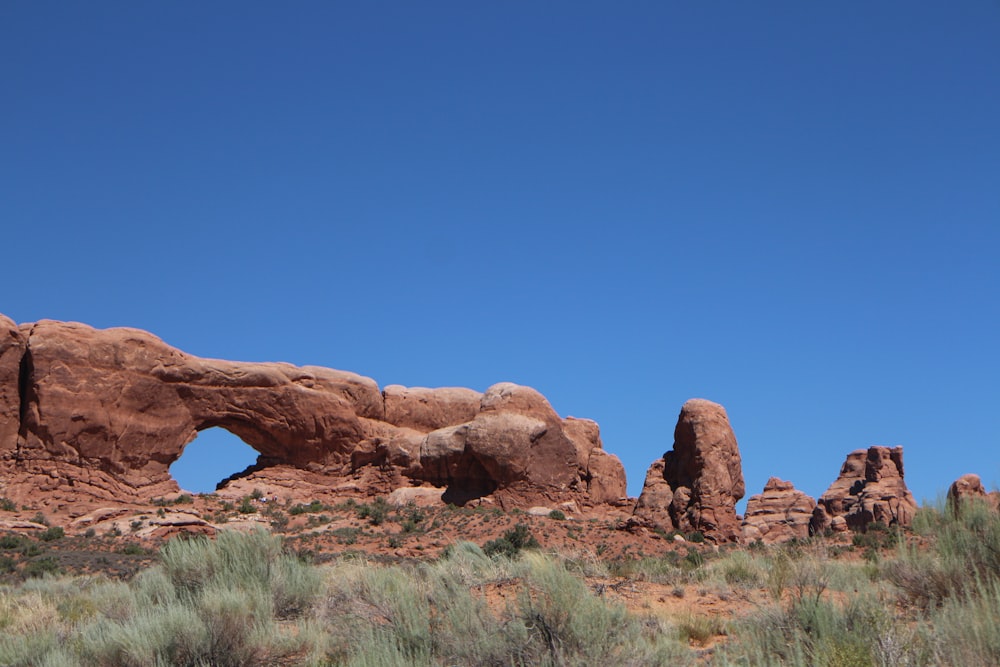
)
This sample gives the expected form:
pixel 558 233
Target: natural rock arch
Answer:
pixel 104 413
pixel 211 459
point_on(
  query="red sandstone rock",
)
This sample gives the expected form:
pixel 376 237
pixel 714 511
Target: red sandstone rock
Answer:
pixel 656 499
pixel 703 472
pixel 11 352
pixel 970 487
pixel 426 410
pixel 603 474
pixel 86 413
pixel 870 488
pixel 779 514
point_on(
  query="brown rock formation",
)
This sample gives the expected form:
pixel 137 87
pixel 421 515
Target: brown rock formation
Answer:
pixel 870 488
pixel 697 483
pixel 11 352
pixel 779 514
pixel 970 488
pixel 656 499
pixel 87 413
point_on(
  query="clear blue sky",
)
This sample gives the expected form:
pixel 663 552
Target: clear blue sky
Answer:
pixel 790 208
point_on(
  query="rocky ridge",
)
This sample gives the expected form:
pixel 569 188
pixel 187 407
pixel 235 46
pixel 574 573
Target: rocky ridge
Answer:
pixel 91 418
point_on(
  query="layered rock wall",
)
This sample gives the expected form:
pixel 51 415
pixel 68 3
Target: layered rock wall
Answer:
pixel 780 514
pixel 870 488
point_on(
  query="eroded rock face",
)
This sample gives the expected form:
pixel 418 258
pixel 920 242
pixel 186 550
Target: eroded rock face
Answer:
pixel 968 488
pixel 779 514
pixel 103 413
pixel 11 352
pixel 870 488
pixel 699 481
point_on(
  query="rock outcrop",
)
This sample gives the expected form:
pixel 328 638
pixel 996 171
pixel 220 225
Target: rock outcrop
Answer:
pixel 870 488
pixel 779 514
pixel 970 488
pixel 695 486
pixel 11 353
pixel 101 414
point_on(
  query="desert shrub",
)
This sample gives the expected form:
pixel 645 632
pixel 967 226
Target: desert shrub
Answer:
pixel 164 634
pixel 39 567
pixel 133 549
pixel 510 544
pixel 22 650
pixel 209 603
pixel 411 519
pixel 234 558
pixel 7 505
pixel 375 512
pixel 964 557
pixel 247 506
pixel 12 541
pixel 811 631
pixel 436 614
pixel 700 628
pixel 311 508
pixel 294 586
pixel 665 570
pixel 182 499
pixel 741 568
pixel 966 631
pixel 53 533
pixel 232 616
pixel 346 535
pixel 29 549
pixel 568 625
pixel 558 515
pixel 693 559
pixel 318 520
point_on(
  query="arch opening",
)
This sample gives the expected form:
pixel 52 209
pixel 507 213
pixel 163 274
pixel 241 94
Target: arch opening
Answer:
pixel 213 456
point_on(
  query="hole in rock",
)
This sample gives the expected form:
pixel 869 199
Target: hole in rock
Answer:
pixel 210 458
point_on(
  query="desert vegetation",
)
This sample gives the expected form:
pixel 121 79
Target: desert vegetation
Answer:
pixel 926 596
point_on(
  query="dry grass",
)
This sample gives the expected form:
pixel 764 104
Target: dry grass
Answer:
pixel 245 599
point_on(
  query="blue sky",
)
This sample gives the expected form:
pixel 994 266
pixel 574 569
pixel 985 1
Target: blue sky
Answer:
pixel 790 208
